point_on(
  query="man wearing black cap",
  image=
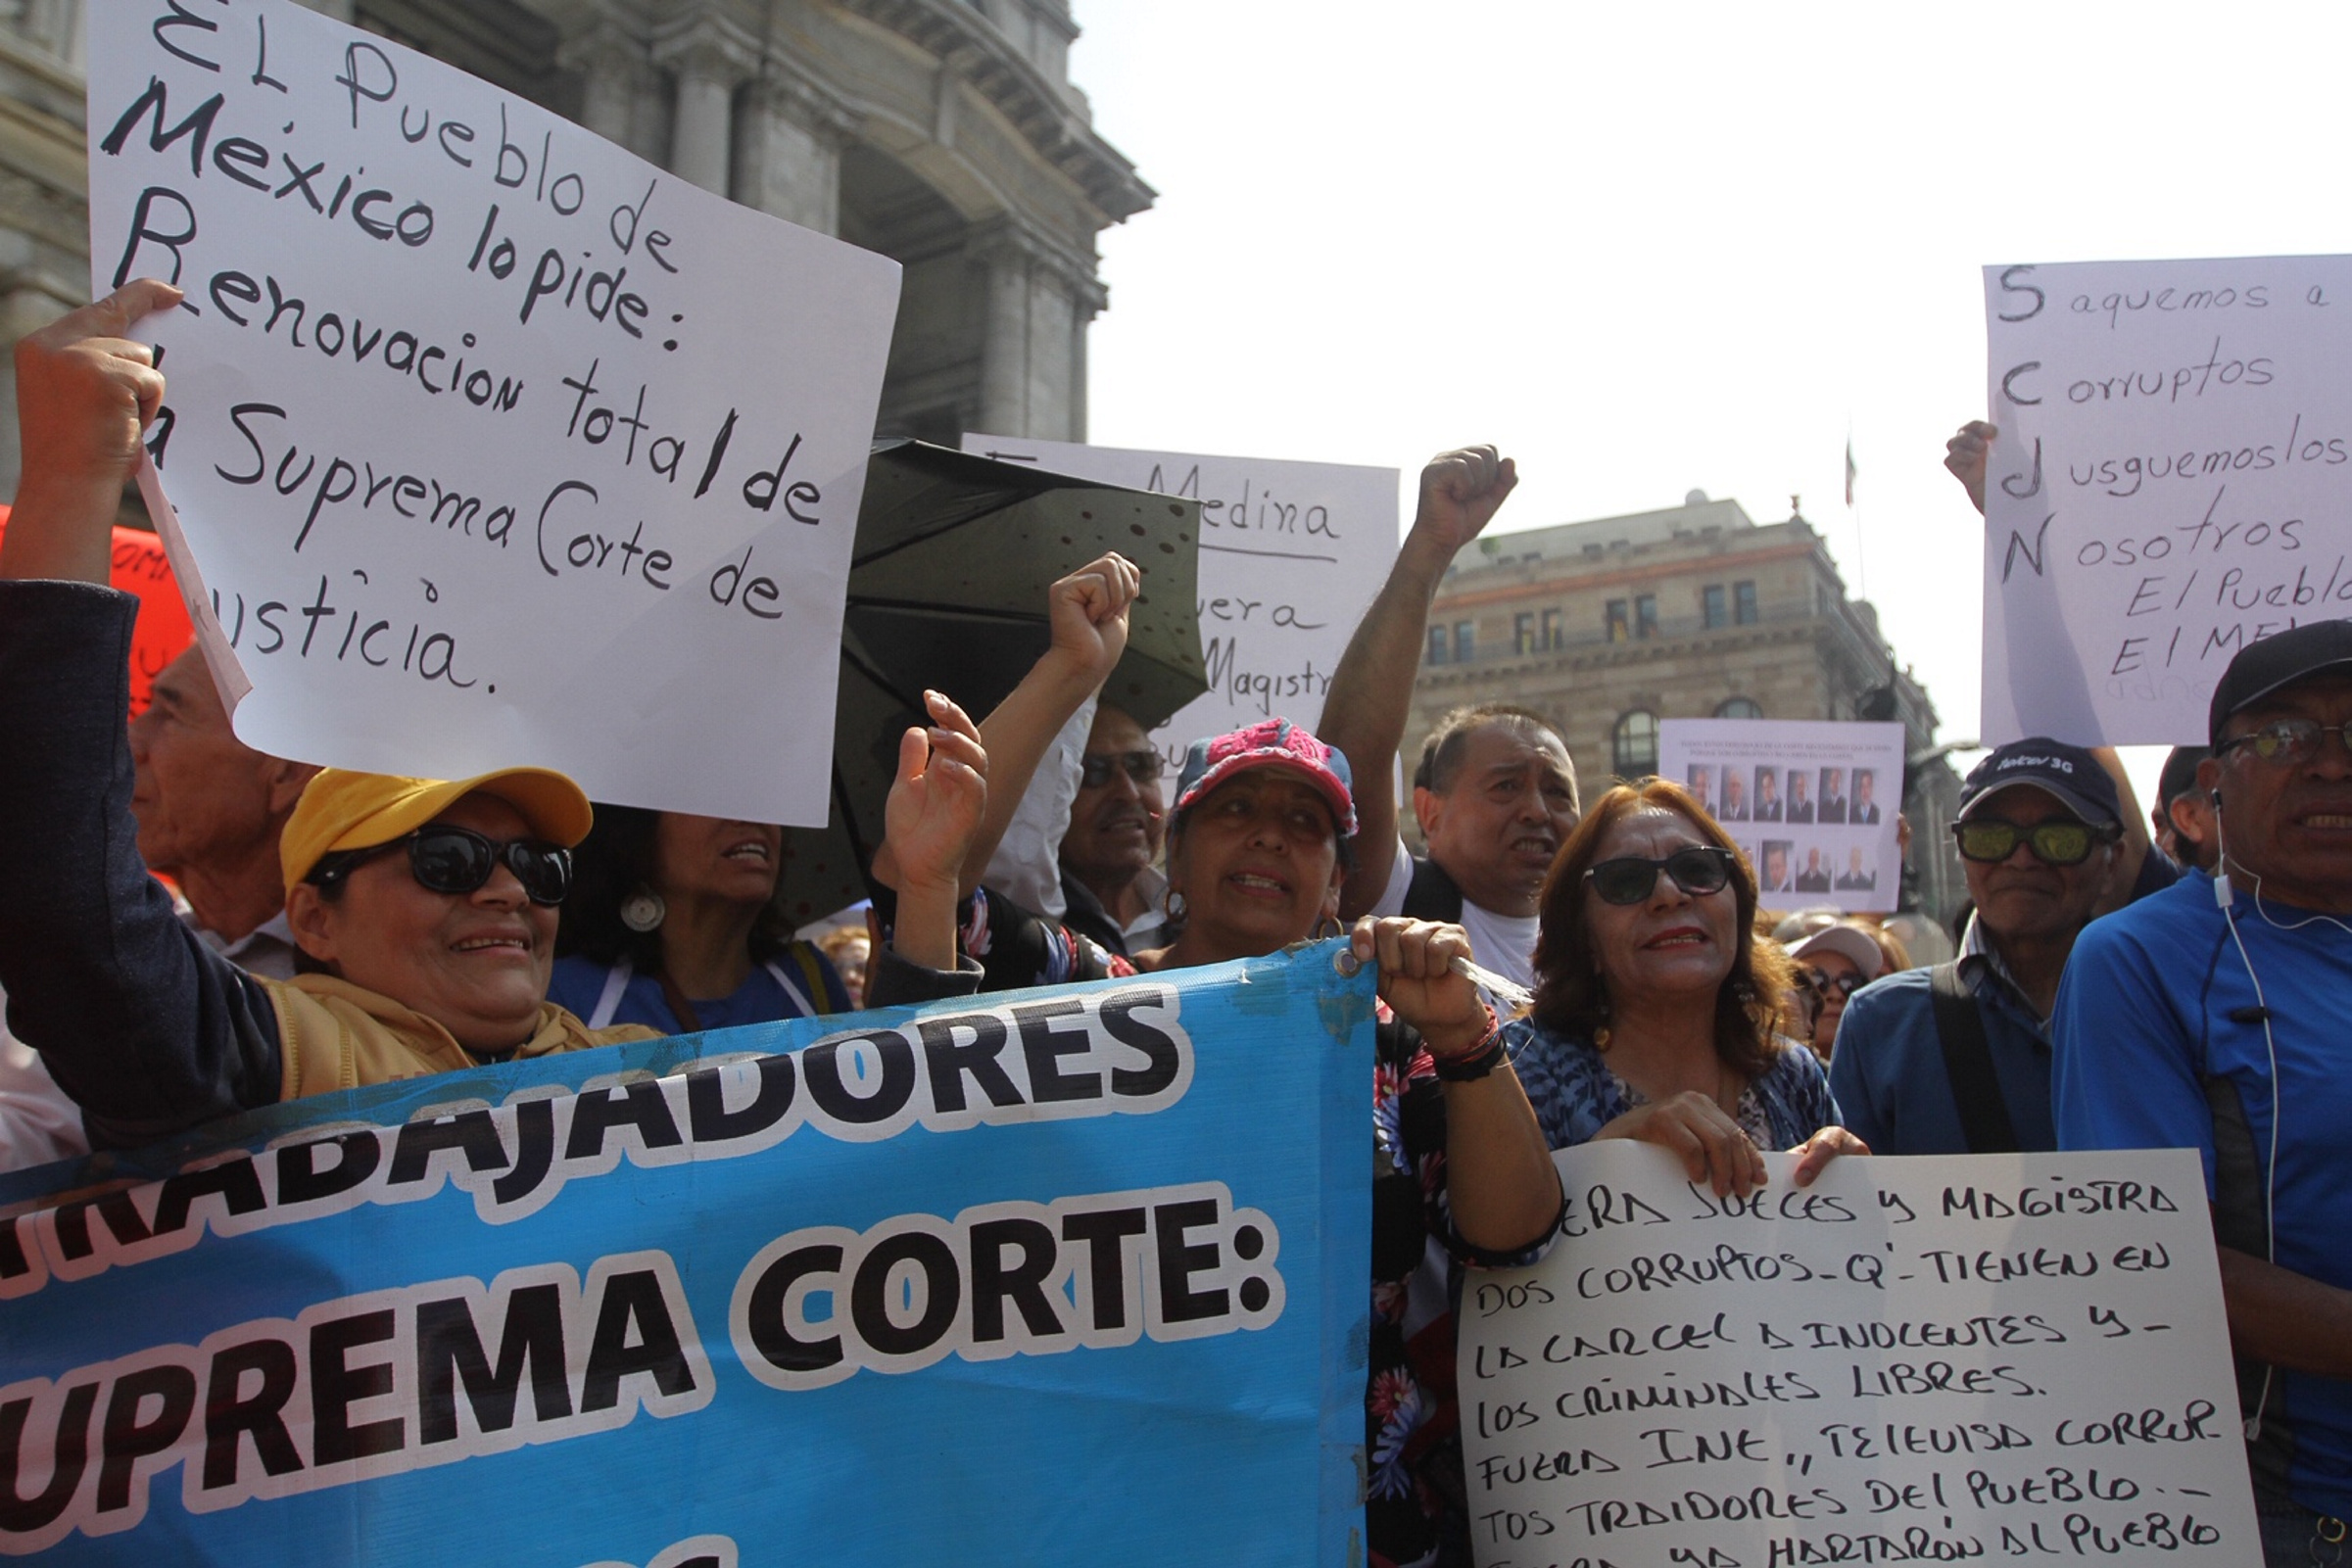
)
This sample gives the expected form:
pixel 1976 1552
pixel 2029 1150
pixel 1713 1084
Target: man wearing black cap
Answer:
pixel 2213 1016
pixel 1956 1059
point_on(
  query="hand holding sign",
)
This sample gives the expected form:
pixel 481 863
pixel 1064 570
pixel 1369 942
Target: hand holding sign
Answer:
pixel 84 392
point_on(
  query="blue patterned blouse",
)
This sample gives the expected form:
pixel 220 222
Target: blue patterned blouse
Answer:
pixel 1575 1094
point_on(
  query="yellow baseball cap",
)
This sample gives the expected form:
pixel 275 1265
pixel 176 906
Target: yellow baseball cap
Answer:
pixel 342 810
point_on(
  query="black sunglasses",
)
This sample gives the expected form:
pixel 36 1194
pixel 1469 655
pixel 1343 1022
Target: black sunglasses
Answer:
pixel 1095 768
pixel 2058 842
pixel 1697 868
pixel 459 861
pixel 1843 984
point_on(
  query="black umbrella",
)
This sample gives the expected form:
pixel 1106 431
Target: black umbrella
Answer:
pixel 948 589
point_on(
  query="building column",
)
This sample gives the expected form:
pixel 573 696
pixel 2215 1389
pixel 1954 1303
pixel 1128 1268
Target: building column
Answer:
pixel 1033 364
pixel 788 149
pixel 710 60
pixel 1004 348
pixel 621 90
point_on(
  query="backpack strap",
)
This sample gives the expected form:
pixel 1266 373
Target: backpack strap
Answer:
pixel 1976 1090
pixel 1431 895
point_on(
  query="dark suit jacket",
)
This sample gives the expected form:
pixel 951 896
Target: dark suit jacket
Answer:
pixel 1831 809
pixel 1800 811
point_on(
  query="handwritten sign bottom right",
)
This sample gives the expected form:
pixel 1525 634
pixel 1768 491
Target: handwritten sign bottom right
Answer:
pixel 2012 1357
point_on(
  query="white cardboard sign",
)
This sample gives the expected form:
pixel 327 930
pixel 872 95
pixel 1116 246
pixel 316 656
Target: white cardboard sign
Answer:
pixel 1810 804
pixel 1291 554
pixel 2015 1357
pixel 2173 481
pixel 495 444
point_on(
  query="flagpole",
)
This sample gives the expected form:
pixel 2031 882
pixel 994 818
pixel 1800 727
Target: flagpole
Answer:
pixel 1861 558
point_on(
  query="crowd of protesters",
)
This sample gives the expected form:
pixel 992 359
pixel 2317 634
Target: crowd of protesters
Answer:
pixel 2117 983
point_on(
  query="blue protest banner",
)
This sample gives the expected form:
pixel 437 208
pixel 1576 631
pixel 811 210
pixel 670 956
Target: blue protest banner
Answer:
pixel 1070 1275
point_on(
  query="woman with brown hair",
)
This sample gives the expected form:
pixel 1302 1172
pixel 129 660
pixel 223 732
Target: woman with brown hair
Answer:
pixel 1654 1000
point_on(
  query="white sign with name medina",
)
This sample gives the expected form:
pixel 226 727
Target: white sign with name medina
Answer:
pixel 1811 804
pixel 496 444
pixel 1290 556
pixel 2014 1358
pixel 2173 481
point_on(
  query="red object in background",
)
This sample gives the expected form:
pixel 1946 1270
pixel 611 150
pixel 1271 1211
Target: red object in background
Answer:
pixel 164 631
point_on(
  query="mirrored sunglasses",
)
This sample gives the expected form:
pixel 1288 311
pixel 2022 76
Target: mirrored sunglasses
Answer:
pixel 2064 842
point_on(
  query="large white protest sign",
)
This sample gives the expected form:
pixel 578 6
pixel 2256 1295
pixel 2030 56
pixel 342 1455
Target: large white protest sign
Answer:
pixel 2173 481
pixel 2019 1357
pixel 495 444
pixel 1290 556
pixel 1810 804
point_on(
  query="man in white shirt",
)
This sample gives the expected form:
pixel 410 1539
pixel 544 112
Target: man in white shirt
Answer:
pixel 1495 792
pixel 210 811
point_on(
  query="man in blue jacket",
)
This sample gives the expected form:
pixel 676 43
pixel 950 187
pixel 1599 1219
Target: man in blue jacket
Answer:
pixel 1956 1059
pixel 2212 1016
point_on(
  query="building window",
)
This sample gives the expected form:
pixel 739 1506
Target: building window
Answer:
pixel 1738 708
pixel 1463 642
pixel 1633 745
pixel 1711 598
pixel 1743 603
pixel 1620 629
pixel 1645 615
pixel 1552 633
pixel 1522 633
pixel 1437 644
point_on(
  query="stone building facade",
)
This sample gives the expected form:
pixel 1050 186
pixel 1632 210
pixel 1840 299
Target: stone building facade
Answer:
pixel 1696 611
pixel 944 133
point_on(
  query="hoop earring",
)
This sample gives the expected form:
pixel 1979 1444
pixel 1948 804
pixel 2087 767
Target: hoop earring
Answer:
pixel 643 911
pixel 1327 927
pixel 1176 907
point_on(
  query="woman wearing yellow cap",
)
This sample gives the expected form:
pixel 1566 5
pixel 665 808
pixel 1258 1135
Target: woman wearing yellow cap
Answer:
pixel 425 910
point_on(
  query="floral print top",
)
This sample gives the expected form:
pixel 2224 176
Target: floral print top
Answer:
pixel 1416 1500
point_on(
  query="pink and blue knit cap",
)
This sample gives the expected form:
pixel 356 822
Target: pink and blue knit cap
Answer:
pixel 1269 743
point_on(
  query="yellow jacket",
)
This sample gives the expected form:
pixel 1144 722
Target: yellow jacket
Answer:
pixel 333 1035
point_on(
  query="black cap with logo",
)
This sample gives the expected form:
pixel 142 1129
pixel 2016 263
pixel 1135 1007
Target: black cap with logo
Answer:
pixel 2069 773
pixel 2264 667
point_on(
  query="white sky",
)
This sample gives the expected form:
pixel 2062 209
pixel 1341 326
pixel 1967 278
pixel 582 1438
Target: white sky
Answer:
pixel 1647 248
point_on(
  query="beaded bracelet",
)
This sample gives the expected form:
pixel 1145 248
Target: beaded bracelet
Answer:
pixel 1479 1059
pixel 1475 1065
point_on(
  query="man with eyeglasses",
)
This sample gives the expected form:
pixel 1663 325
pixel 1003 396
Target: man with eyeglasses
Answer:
pixel 425 911
pixel 1111 888
pixel 2213 1016
pixel 1956 1059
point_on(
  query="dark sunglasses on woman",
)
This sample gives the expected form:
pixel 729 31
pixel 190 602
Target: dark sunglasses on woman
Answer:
pixel 459 861
pixel 2059 841
pixel 1697 868
pixel 1843 984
